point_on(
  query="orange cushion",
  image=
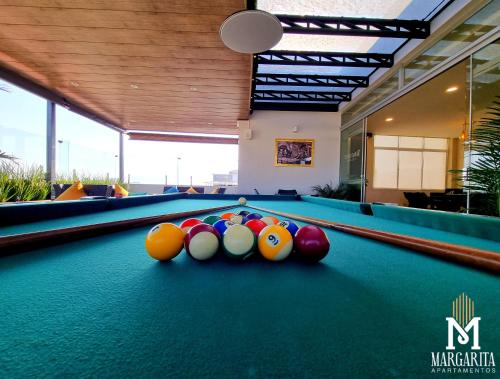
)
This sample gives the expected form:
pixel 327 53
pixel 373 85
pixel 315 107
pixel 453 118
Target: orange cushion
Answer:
pixel 120 191
pixel 72 193
pixel 191 190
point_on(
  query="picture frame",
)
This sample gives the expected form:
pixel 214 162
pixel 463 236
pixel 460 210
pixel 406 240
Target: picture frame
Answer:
pixel 294 152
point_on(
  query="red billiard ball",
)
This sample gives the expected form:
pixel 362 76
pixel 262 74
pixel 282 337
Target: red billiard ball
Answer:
pixel 311 243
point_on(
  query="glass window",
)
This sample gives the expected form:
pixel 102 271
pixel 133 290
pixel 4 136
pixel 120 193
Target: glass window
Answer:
pixel 352 145
pixel 410 170
pixel 411 142
pixel 384 90
pixel 386 169
pixel 385 141
pixel 484 91
pixel 434 170
pixel 85 148
pixel 23 125
pixel 457 40
pixel 156 162
pixel 435 143
pixel 406 164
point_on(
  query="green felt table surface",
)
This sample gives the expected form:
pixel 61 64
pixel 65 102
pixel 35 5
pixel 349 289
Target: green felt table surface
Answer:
pixel 102 308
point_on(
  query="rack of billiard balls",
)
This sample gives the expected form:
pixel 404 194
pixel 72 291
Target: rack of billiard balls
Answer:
pixel 239 236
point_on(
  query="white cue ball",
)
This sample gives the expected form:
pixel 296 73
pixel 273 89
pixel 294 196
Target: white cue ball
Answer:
pixel 242 201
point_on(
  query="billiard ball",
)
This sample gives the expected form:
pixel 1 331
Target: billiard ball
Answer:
pixel 275 242
pixel 256 225
pixel 311 243
pixel 238 219
pixel 239 241
pixel 290 226
pixel 270 220
pixel 222 225
pixel 210 220
pixel 242 201
pixel 244 213
pixel 164 241
pixel 227 216
pixel 202 242
pixel 253 216
pixel 186 225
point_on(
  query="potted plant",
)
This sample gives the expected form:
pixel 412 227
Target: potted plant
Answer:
pixel 482 177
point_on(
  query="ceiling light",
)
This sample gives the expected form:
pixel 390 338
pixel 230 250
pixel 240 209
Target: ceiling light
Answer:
pixel 210 123
pixel 74 84
pixel 134 86
pixel 251 31
pixel 451 89
pixel 193 88
pixel 171 122
pixel 389 119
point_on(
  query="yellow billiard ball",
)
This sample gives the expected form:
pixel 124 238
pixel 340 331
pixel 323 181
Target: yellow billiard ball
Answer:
pixel 275 242
pixel 164 241
pixel 242 201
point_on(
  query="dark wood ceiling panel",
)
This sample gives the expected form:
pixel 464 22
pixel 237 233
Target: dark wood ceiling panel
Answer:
pixel 152 64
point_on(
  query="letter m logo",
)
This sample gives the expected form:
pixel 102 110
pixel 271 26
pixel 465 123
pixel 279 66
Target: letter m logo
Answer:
pixel 463 333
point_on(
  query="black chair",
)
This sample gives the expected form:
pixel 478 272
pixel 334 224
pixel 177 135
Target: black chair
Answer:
pixel 98 190
pixel 287 192
pixel 58 189
pixel 417 199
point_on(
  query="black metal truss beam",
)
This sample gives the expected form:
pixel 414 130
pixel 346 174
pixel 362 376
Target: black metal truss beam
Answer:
pixel 302 96
pixel 348 26
pixel 270 106
pixel 286 57
pixel 311 80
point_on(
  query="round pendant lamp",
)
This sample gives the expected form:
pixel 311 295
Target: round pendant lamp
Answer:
pixel 251 31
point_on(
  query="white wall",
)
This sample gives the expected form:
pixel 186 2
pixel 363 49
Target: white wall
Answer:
pixel 256 156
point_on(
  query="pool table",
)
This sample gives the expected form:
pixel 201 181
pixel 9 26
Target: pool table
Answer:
pixel 101 307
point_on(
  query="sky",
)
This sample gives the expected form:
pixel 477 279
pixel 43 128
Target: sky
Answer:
pixel 88 147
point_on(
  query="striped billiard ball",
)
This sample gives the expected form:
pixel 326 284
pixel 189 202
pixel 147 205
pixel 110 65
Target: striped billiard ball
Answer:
pixel 290 226
pixel 239 241
pixel 275 243
pixel 186 225
pixel 256 225
pixel 270 220
pixel 202 242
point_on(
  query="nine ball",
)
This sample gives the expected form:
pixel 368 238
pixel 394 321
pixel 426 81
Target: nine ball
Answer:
pixel 275 243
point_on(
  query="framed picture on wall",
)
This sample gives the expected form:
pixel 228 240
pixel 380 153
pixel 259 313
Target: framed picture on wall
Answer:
pixel 294 152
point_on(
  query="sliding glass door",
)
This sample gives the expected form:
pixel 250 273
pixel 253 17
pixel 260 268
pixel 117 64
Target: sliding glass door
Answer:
pixel 352 166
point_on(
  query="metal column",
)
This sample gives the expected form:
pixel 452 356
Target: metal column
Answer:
pixel 51 141
pixel 121 162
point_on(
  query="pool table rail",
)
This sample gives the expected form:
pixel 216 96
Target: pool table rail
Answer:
pixel 18 243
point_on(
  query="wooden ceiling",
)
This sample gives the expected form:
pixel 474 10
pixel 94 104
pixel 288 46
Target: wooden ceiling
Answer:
pixel 154 65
